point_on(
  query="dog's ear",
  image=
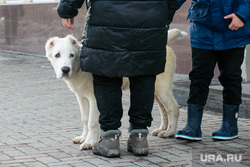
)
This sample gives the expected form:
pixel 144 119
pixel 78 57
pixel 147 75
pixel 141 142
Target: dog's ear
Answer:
pixel 49 44
pixel 74 41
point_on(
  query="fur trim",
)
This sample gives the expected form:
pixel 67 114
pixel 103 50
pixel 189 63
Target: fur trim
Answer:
pixel 132 132
pixel 109 132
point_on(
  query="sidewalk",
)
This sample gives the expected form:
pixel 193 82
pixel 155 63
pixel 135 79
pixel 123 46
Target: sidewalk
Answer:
pixel 214 102
pixel 40 116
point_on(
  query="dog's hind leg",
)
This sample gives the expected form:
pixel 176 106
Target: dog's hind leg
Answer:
pixel 165 99
pixel 172 110
pixel 84 108
pixel 164 118
pixel 169 114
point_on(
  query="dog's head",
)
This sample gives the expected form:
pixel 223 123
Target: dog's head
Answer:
pixel 64 55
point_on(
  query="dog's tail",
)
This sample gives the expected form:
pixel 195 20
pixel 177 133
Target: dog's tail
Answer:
pixel 174 34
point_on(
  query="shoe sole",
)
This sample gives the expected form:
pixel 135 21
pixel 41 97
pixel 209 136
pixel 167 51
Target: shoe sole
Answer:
pixel 224 137
pixel 185 137
pixel 138 151
pixel 102 151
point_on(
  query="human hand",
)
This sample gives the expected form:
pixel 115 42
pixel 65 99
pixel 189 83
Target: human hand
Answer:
pixel 68 23
pixel 236 22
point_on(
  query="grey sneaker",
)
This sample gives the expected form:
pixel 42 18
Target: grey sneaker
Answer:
pixel 137 142
pixel 109 145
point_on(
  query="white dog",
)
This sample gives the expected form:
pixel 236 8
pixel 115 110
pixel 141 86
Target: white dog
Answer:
pixel 64 55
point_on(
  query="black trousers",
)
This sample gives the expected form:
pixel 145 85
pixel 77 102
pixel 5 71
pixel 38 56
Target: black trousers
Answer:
pixel 108 95
pixel 229 63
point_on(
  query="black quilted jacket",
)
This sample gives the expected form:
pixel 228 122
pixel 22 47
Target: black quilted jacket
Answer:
pixel 123 37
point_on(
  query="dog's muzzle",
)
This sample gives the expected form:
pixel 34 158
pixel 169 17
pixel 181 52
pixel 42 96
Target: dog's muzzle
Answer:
pixel 65 70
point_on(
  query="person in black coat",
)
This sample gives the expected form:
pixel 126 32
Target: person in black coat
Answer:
pixel 122 38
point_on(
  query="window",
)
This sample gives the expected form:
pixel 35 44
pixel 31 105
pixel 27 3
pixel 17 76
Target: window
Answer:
pixel 32 1
pixel 14 1
pixel 43 1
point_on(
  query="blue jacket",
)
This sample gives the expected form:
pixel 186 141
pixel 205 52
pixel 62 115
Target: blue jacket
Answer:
pixel 209 29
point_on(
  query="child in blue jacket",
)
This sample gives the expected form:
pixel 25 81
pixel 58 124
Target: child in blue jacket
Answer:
pixel 219 32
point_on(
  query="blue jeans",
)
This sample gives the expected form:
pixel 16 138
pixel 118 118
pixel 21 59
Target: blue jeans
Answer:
pixel 229 63
pixel 108 95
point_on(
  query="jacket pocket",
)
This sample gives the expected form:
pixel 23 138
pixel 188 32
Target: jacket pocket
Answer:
pixel 198 11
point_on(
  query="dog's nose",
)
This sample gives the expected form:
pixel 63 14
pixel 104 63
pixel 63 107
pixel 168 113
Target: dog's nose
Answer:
pixel 65 70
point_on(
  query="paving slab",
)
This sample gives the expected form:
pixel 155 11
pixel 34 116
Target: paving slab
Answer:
pixel 40 116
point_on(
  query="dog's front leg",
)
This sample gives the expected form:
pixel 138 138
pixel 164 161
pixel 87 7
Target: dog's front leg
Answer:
pixel 93 126
pixel 84 107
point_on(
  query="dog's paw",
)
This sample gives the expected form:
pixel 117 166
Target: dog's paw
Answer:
pixel 86 146
pixel 155 132
pixel 163 133
pixel 79 139
pixel 166 134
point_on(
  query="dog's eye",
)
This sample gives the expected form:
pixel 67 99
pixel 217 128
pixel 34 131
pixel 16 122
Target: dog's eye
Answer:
pixel 57 55
pixel 71 55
